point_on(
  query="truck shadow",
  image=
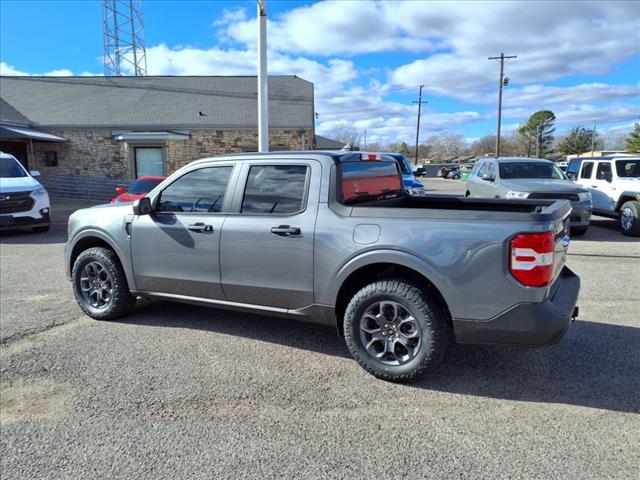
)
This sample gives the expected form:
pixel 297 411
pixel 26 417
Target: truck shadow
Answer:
pixel 604 230
pixel 596 365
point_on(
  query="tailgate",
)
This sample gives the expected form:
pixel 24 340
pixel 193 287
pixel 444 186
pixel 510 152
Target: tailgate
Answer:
pixel 560 229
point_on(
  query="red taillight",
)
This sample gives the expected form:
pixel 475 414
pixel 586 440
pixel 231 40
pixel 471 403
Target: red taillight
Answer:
pixel 532 258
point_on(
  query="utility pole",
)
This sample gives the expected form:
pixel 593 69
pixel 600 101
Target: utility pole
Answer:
pixel 593 138
pixel 502 58
pixel 538 140
pixel 419 102
pixel 263 94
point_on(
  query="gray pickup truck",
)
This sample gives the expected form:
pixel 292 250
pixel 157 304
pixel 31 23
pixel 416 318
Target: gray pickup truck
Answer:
pixel 331 238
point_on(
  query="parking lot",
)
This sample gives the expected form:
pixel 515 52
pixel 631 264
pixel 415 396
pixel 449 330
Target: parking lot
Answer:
pixel 178 391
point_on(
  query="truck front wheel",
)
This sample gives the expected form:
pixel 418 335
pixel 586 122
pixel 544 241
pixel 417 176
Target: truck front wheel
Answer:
pixel 629 218
pixel 395 330
pixel 100 285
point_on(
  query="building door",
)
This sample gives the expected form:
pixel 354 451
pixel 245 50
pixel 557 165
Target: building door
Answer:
pixel 149 162
pixel 18 150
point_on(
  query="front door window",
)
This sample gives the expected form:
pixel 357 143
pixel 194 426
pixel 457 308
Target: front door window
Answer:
pixel 149 162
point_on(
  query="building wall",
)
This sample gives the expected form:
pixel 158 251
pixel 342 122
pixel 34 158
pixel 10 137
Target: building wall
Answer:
pixel 91 155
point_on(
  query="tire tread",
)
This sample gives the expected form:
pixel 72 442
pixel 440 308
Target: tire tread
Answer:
pixel 122 301
pixel 435 316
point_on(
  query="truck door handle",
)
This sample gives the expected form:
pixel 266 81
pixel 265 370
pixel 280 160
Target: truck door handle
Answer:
pixel 594 186
pixel 200 227
pixel 285 230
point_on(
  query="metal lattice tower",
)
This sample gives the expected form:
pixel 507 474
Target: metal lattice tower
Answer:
pixel 123 27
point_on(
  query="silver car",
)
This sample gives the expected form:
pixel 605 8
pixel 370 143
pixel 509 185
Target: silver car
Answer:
pixel 532 178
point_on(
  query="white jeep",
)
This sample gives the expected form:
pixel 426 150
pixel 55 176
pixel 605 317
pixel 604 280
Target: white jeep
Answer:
pixel 614 183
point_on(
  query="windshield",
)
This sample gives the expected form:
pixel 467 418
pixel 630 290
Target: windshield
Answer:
pixel 513 170
pixel 628 168
pixel 10 168
pixel 143 186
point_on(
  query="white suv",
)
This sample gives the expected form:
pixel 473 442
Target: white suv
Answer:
pixel 24 202
pixel 614 183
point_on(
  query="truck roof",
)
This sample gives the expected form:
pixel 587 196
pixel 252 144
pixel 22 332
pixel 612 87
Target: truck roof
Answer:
pixel 517 159
pixel 337 156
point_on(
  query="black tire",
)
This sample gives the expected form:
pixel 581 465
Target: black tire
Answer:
pixel 121 302
pixel 629 218
pixel 456 177
pixel 41 229
pixel 429 314
pixel 578 231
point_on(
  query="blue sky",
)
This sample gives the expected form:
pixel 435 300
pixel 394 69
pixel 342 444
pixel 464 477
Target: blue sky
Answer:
pixel 366 58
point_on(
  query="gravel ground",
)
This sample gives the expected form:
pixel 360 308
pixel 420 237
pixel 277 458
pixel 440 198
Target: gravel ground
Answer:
pixel 180 391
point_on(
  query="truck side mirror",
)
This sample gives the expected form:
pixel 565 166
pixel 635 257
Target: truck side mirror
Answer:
pixel 489 177
pixel 608 176
pixel 571 175
pixel 35 173
pixel 142 206
pixel 120 189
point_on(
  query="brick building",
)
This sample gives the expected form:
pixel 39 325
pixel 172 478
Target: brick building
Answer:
pixel 85 135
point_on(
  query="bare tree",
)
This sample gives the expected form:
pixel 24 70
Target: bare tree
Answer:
pixel 345 134
pixel 446 146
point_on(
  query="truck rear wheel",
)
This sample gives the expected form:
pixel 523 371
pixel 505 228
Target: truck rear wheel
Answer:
pixel 100 285
pixel 629 218
pixel 395 330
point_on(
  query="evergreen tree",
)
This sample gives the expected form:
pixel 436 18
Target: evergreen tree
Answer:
pixel 577 141
pixel 633 140
pixel 537 133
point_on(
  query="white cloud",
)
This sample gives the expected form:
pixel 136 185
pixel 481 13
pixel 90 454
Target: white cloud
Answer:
pixel 552 40
pixel 586 92
pixel 587 114
pixel 230 16
pixel 10 70
pixel 333 28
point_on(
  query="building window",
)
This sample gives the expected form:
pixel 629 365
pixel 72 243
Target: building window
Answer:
pixel 51 159
pixel 149 162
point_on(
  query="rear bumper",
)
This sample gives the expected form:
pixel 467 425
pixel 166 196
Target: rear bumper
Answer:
pixel 527 323
pixel 580 214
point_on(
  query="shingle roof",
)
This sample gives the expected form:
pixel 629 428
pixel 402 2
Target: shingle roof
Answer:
pixel 10 116
pixel 157 101
pixel 324 143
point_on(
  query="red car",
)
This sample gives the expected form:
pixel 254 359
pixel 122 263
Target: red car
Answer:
pixel 138 189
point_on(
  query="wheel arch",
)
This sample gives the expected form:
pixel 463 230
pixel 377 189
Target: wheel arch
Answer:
pixel 626 197
pixel 96 238
pixel 380 267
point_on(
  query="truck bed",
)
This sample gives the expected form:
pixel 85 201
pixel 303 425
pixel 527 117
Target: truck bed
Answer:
pixel 451 206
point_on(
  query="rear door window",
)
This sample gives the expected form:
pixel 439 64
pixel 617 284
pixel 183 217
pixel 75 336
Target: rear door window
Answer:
pixel 275 189
pixel 587 169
